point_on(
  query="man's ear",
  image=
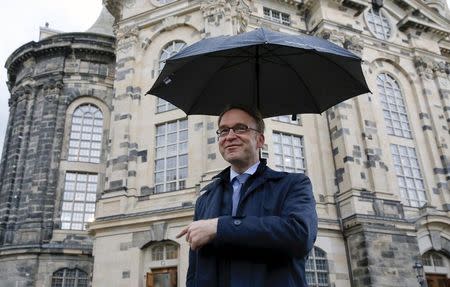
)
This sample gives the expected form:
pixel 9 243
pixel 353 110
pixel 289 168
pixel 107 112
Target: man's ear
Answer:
pixel 260 139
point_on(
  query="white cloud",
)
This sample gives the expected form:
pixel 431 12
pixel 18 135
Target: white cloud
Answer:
pixel 19 24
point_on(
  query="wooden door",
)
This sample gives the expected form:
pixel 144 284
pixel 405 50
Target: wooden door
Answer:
pixel 164 277
pixel 435 280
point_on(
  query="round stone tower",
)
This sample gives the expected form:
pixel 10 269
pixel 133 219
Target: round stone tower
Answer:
pixel 53 157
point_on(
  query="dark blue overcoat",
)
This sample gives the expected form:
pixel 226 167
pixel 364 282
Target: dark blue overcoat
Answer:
pixel 266 243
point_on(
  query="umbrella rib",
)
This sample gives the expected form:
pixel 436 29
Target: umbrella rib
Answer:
pixel 202 94
pixel 303 82
pixel 339 66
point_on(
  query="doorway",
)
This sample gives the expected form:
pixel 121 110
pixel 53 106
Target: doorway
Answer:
pixel 437 280
pixel 162 277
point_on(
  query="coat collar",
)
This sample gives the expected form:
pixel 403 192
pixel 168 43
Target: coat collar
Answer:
pixel 263 169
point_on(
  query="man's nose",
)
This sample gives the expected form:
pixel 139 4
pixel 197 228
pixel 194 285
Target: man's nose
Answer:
pixel 231 135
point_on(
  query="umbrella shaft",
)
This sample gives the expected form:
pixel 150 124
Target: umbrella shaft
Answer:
pixel 257 78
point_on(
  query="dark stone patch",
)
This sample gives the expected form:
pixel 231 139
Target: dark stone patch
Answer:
pixel 212 156
pixel 426 128
pixel 348 158
pixel 340 132
pixel 186 203
pixel 439 170
pixel 210 126
pixel 446 206
pixel 116 183
pixel 442 185
pixel 436 190
pixel 335 151
pixel 131 173
pixel 332 115
pixel 145 190
pixel 424 116
pixel 125 274
pixel 363 175
pixel 339 175
pixel 387 254
pixel 143 155
pixel 370 124
pixel 211 140
pixel 446 108
pixel 120 159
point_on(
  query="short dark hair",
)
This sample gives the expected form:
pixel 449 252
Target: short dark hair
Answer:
pixel 253 112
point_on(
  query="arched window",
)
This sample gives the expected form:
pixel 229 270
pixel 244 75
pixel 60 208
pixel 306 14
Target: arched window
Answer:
pixel 86 134
pixel 70 278
pixel 432 259
pixel 394 108
pixel 379 24
pixel 166 251
pixel 317 268
pixel 169 50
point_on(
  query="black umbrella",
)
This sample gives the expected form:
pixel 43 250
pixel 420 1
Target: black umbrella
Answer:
pixel 278 73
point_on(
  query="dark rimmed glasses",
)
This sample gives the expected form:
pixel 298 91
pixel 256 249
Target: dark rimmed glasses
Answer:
pixel 237 129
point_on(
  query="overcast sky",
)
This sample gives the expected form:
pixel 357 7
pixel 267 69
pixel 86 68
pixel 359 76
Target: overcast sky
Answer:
pixel 19 24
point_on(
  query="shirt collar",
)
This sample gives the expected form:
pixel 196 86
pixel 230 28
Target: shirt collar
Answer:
pixel 251 170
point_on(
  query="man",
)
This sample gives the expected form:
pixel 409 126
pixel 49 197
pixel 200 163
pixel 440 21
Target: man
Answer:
pixel 252 226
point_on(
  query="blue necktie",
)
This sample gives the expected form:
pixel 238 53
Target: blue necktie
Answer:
pixel 238 182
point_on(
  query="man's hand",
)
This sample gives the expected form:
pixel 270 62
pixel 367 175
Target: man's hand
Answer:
pixel 199 233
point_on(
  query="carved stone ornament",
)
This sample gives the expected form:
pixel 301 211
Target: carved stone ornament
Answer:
pixel 441 68
pixel 127 37
pixel 215 10
pixel 334 36
pixel 240 13
pixel 51 89
pixel 354 44
pixel 424 67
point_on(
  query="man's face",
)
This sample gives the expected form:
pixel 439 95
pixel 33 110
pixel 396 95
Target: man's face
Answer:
pixel 240 150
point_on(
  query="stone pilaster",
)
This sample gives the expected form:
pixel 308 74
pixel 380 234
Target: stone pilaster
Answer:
pixel 434 125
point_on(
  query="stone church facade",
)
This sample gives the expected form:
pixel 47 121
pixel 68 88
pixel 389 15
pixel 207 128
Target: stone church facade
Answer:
pixel 97 178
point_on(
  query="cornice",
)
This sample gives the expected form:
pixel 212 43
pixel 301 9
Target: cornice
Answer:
pixel 413 21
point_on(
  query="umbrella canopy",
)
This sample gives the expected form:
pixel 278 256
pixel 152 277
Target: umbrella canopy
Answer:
pixel 278 73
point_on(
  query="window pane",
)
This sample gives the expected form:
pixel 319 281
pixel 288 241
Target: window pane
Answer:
pixel 285 148
pixel 171 155
pixel 80 205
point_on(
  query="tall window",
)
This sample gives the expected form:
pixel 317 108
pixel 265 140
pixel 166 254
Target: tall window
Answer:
pixel 169 50
pixel 86 134
pixel 379 24
pixel 171 163
pixel 166 251
pixel 317 268
pixel 277 16
pixel 289 152
pixel 78 204
pixel 410 181
pixel 394 108
pixel 70 278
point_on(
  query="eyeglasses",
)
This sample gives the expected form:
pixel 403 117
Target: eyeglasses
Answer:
pixel 237 129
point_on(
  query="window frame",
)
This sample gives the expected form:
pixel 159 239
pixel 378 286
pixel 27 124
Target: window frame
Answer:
pixel 65 278
pixel 407 193
pixel 268 14
pixel 312 262
pixel 371 21
pixel 394 105
pixel 180 183
pixel 302 156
